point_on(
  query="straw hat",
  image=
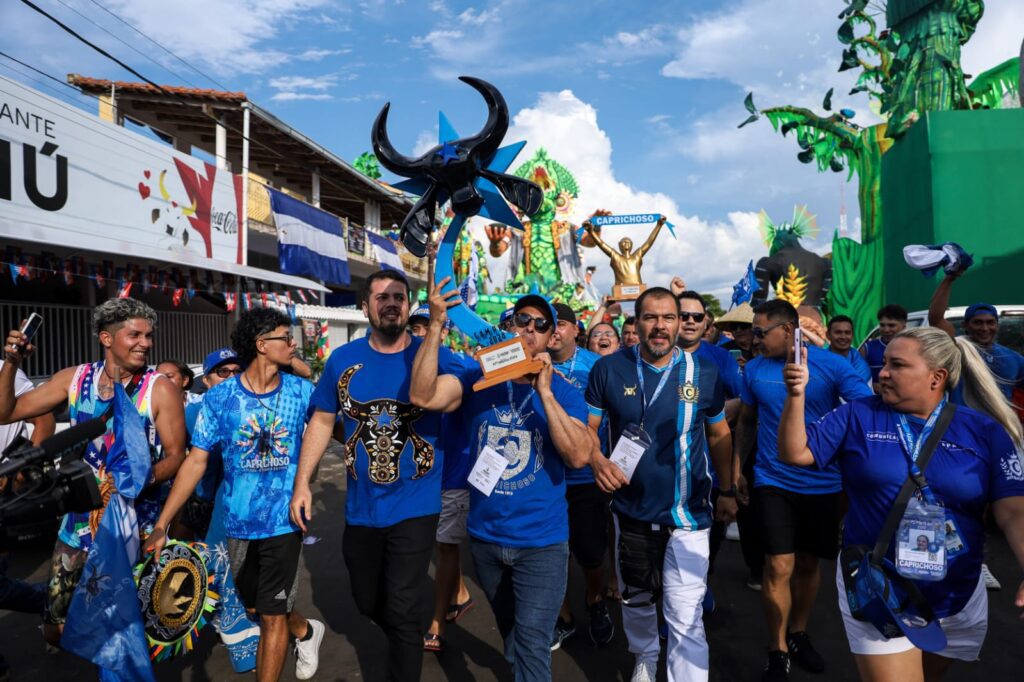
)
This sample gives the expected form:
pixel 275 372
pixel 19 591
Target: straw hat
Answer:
pixel 741 314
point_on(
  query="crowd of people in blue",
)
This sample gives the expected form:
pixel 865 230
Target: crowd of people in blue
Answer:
pixel 631 455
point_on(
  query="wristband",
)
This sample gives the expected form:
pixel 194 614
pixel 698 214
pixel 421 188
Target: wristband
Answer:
pixel 731 492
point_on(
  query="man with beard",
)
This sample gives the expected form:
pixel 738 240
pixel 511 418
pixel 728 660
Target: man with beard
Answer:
pixel 124 327
pixel 603 339
pixel 525 433
pixel 840 342
pixel 797 507
pixel 981 326
pixel 394 471
pixel 665 410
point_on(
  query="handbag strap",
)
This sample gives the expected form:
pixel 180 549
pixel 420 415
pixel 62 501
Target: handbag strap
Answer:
pixel 900 506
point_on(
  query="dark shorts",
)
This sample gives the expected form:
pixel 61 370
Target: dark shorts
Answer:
pixel 266 572
pixel 588 523
pixel 793 522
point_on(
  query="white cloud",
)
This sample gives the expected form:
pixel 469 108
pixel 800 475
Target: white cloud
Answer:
pixel 472 17
pixel 303 82
pixel 223 36
pixel 288 96
pixel 997 39
pixel 315 55
pixel 711 256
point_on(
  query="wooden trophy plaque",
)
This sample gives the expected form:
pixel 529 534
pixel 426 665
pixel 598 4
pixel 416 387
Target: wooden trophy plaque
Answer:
pixel 505 361
pixel 627 292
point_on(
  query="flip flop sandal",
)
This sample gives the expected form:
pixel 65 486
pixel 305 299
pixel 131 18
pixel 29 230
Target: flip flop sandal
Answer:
pixel 433 643
pixel 456 611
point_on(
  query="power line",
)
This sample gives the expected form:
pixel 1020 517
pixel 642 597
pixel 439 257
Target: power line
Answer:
pixel 36 80
pixel 126 43
pixel 40 72
pixel 171 53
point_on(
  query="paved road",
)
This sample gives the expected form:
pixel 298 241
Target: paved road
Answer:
pixel 355 650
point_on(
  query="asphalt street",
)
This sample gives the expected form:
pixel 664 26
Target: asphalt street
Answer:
pixel 354 649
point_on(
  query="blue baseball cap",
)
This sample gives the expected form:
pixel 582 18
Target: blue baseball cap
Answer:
pixel 423 311
pixel 218 358
pixel 540 303
pixel 980 309
pixel 506 315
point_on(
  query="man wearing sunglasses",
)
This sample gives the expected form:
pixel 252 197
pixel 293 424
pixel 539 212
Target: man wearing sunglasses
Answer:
pixel 194 521
pixel 797 507
pixel 665 410
pixel 533 429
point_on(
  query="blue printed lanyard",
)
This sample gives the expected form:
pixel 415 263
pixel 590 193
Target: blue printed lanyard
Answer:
pixel 644 403
pixel 912 447
pixel 517 412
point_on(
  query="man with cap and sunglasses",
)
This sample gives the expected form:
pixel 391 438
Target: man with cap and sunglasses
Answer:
pixel 194 521
pixel 524 434
pixel 588 504
pixel 981 326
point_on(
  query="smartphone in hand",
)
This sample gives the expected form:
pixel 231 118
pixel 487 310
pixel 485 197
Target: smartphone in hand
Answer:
pixel 31 326
pixel 798 339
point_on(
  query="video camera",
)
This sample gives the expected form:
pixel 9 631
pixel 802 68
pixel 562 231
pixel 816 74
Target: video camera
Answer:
pixel 46 481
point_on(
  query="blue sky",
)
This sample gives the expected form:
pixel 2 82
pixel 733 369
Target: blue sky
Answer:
pixel 641 99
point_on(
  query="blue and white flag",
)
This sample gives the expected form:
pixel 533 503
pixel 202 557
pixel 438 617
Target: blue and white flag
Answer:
pixel 468 291
pixel 309 241
pixel 744 289
pixel 386 252
pixel 950 256
pixel 104 621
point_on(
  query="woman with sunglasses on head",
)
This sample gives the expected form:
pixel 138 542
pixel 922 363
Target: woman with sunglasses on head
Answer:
pixel 977 462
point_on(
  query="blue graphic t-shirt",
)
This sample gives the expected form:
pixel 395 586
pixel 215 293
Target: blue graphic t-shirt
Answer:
pixel 1007 367
pixel 259 438
pixel 527 508
pixel 672 482
pixel 577 371
pixel 831 378
pixel 875 349
pixel 975 463
pixel 394 469
pixel 454 441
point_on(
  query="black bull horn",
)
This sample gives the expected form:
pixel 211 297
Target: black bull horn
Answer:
pixel 451 170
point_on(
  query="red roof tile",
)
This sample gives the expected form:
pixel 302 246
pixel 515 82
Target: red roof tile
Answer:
pixel 102 85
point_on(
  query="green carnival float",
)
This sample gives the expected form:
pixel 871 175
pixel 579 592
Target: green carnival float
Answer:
pixel 909 71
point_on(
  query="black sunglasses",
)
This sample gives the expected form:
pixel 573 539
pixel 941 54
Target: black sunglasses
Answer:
pixel 225 372
pixel 523 320
pixel 760 333
pixel 696 317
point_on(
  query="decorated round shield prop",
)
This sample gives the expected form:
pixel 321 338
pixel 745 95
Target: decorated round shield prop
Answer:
pixel 176 597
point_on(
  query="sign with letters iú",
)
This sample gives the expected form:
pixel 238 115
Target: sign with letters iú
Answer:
pixel 69 178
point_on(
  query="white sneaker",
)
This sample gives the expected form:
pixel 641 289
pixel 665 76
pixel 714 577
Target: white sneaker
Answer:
pixel 990 580
pixel 645 670
pixel 732 532
pixel 307 654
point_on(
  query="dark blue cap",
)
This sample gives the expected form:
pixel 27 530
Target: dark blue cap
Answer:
pixel 980 309
pixel 218 358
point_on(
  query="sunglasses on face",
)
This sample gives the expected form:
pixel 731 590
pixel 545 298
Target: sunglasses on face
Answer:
pixel 288 338
pixel 523 320
pixel 760 333
pixel 696 317
pixel 225 372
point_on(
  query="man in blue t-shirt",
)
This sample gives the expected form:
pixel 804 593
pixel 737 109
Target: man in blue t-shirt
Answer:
pixel 255 421
pixel 892 319
pixel 665 409
pixel 840 342
pixel 798 508
pixel 524 434
pixel 981 326
pixel 588 504
pixel 393 494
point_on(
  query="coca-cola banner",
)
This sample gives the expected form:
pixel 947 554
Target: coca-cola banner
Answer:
pixel 70 179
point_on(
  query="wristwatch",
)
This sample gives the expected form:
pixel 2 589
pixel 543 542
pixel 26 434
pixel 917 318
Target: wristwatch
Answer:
pixel 731 492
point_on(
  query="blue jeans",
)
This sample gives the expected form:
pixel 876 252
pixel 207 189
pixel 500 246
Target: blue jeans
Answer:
pixel 525 587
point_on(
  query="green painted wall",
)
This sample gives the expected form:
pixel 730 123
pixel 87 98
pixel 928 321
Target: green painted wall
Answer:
pixel 957 176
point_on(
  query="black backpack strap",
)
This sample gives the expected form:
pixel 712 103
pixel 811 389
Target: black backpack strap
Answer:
pixel 900 505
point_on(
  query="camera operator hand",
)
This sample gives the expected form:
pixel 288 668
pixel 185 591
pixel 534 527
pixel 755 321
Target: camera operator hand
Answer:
pixel 16 348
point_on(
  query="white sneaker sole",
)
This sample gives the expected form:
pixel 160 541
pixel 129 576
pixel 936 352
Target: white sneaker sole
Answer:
pixel 318 637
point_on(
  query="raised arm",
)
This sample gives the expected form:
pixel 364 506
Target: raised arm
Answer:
pixel 792 428
pixel 428 390
pixel 598 242
pixel 34 403
pixel 645 247
pixel 940 303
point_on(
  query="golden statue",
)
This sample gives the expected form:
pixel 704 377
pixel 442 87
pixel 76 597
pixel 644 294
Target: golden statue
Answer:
pixel 626 262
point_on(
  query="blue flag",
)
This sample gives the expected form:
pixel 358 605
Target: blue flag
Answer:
pixel 104 622
pixel 744 289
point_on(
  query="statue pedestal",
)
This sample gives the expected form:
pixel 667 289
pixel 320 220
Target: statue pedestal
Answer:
pixel 505 361
pixel 627 292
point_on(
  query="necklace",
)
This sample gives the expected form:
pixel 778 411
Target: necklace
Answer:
pixel 266 435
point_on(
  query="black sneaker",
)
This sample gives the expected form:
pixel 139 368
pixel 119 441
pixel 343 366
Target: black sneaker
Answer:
pixel 563 631
pixel 602 629
pixel 801 651
pixel 777 667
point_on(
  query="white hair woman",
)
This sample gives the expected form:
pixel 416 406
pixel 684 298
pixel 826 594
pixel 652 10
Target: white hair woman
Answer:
pixel 977 462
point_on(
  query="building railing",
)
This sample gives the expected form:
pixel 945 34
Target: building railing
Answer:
pixel 66 339
pixel 261 219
